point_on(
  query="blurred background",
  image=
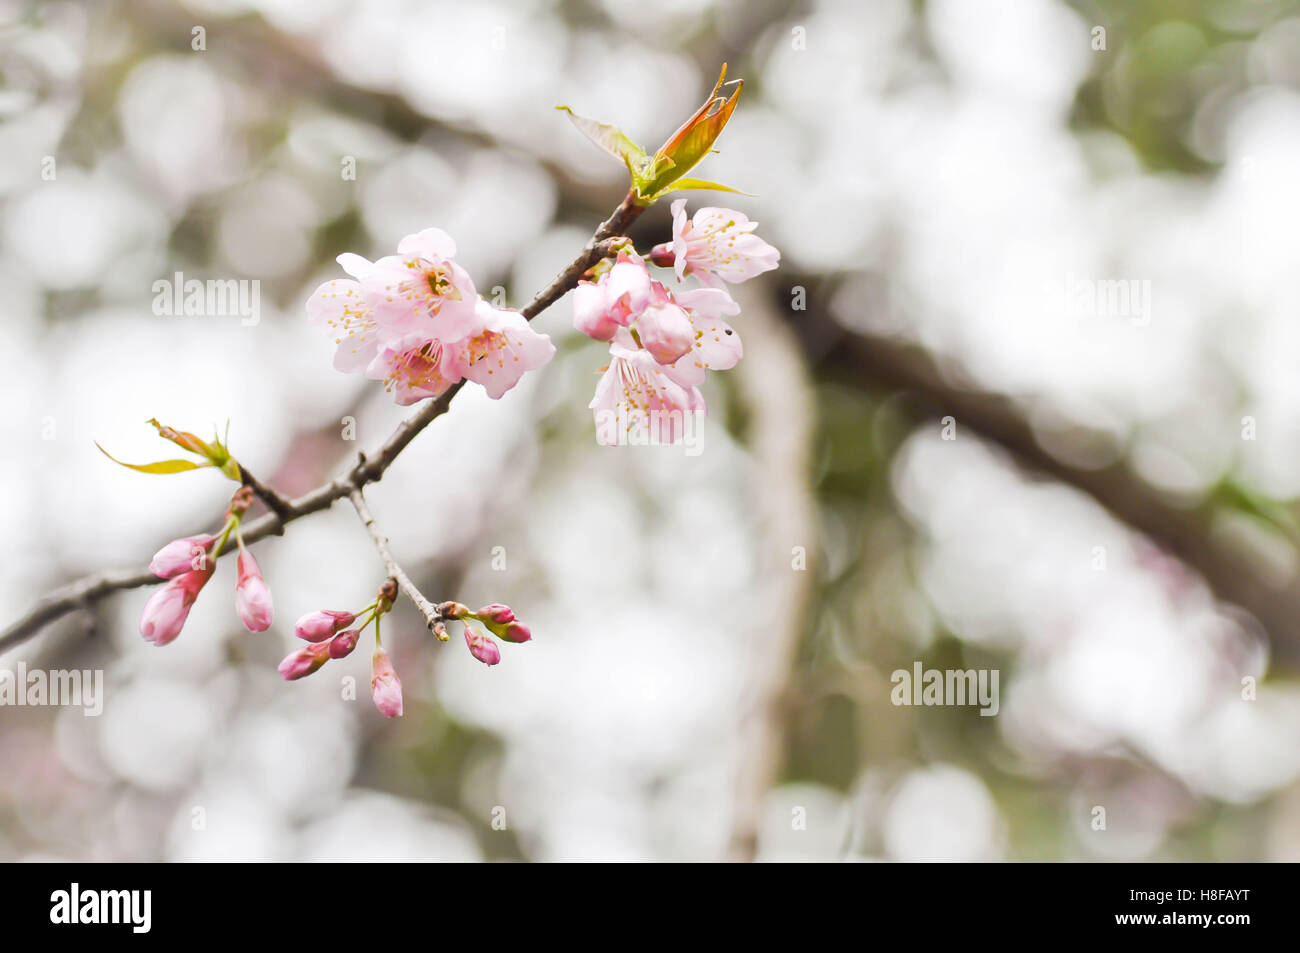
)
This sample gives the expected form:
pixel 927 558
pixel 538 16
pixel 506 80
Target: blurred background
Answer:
pixel 940 447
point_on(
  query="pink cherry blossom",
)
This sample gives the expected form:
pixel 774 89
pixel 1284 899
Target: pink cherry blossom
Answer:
pixel 413 367
pixel 499 351
pixel 600 308
pixel 385 687
pixel 306 660
pixel 322 624
pixel 339 307
pixel 181 555
pixel 716 245
pixel 481 646
pixel 421 290
pixel 636 391
pixel 715 345
pixel 167 609
pixel 252 596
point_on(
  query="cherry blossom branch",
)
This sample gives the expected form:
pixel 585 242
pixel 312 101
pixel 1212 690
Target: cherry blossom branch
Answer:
pixel 84 592
pixel 432 617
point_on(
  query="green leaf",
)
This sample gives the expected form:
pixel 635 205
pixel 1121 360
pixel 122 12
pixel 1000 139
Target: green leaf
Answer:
pixel 694 139
pixel 182 439
pixel 161 466
pixel 611 139
pixel 682 185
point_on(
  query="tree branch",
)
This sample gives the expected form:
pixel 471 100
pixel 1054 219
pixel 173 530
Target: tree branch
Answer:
pixel 432 617
pixel 89 589
pixel 273 500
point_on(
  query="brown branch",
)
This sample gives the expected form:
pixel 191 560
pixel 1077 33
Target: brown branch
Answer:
pixel 276 503
pixel 87 590
pixel 432 617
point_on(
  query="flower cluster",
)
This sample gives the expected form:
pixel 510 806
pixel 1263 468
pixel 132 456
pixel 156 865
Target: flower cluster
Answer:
pixel 333 634
pixel 188 563
pixel 662 341
pixel 415 321
pixel 329 635
pixel 498 619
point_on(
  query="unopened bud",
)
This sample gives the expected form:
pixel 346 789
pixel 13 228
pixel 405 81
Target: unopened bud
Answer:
pixel 303 662
pixel 501 622
pixel 482 647
pixel 663 255
pixel 252 596
pixel 167 609
pixel 322 624
pixel 187 554
pixel 385 687
pixel 341 645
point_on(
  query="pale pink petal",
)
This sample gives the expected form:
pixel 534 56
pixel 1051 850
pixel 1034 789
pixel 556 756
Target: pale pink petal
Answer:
pixel 500 353
pixel 430 244
pixel 591 311
pixel 339 308
pixel 679 237
pixel 635 393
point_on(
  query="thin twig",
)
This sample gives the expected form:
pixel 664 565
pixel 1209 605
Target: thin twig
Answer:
pixel 91 588
pixel 427 609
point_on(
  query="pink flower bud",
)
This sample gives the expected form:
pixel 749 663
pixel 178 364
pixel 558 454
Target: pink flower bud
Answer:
pixel 306 660
pixel 482 647
pixel 663 255
pixel 252 597
pixel 496 613
pixel 501 622
pixel 666 330
pixel 187 554
pixel 342 644
pixel 516 632
pixel 168 608
pixel 385 685
pixel 600 308
pixel 322 624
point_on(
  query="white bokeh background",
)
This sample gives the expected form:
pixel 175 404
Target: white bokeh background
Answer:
pixel 933 144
